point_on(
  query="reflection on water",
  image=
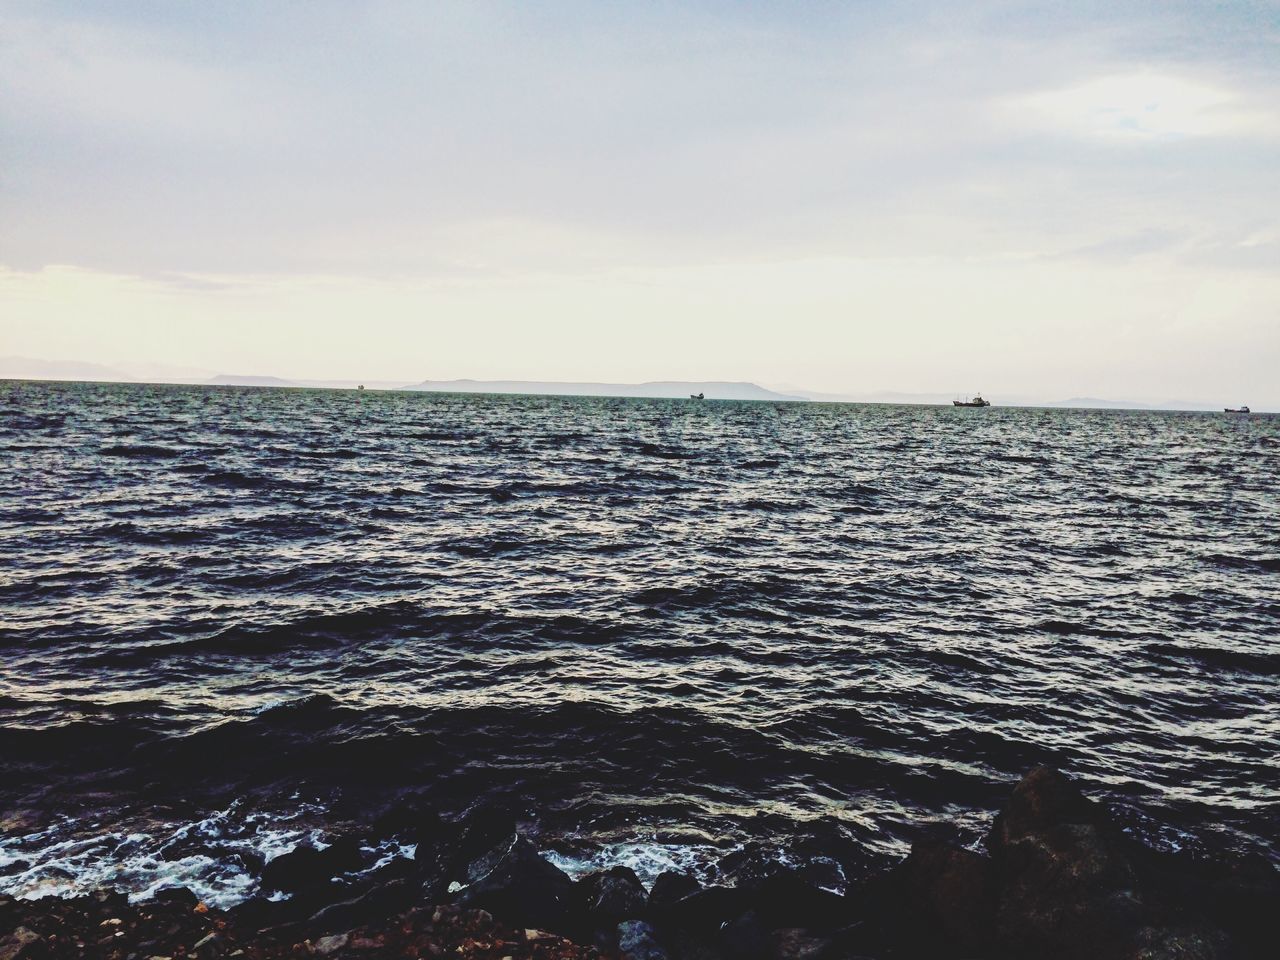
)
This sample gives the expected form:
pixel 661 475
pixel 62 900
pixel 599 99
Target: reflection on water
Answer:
pixel 824 626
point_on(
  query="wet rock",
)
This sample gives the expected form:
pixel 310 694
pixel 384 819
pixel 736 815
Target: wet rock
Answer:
pixel 798 944
pixel 1065 887
pixel 942 894
pixel 207 947
pixel 308 868
pixel 614 895
pixel 480 832
pixel 408 817
pixel 260 914
pixel 786 899
pixel 106 902
pixel 512 881
pixel 16 866
pixel 1166 943
pixel 703 912
pixel 177 895
pixel 686 946
pixel 746 938
pixel 748 865
pixel 331 944
pixel 672 886
pixel 1240 895
pixel 637 940
pixel 381 901
pixel 20 943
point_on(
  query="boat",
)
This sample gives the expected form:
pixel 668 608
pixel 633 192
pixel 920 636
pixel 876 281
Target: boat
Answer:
pixel 361 387
pixel 696 396
pixel 1235 409
pixel 975 402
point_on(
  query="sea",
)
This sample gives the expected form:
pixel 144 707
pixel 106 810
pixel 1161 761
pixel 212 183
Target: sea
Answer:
pixel 663 633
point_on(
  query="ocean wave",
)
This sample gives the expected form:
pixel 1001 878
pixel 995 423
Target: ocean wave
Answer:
pixel 642 627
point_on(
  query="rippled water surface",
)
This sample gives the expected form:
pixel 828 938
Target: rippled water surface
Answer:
pixel 656 631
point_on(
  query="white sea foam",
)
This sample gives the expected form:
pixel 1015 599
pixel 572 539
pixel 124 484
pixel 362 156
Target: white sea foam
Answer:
pixel 647 858
pixel 72 857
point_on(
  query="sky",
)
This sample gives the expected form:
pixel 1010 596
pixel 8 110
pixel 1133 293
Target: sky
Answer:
pixel 1058 200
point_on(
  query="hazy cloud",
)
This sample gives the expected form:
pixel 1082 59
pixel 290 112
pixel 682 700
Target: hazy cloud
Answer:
pixel 206 148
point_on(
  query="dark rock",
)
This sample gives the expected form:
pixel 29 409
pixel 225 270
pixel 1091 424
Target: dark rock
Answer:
pixel 249 860
pixel 639 941
pixel 307 868
pixel 1241 895
pixel 207 947
pixel 177 895
pixel 703 911
pixel 1065 888
pixel 791 943
pixel 107 902
pixel 746 938
pixel 940 895
pixel 1165 943
pixel 672 886
pixel 21 942
pixel 785 899
pixel 261 914
pixel 16 866
pixel 748 865
pixel 382 901
pixel 613 895
pixel 412 819
pixel 479 833
pixel 513 882
pixel 331 944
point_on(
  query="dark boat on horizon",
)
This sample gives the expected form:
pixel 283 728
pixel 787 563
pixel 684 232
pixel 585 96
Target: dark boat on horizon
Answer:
pixel 1235 409
pixel 975 402
pixel 696 396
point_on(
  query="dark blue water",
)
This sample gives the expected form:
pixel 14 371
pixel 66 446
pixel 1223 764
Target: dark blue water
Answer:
pixel 654 631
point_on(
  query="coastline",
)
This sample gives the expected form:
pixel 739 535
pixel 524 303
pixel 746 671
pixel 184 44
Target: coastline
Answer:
pixel 1058 879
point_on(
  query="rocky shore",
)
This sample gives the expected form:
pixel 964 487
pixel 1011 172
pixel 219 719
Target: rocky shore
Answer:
pixel 1058 880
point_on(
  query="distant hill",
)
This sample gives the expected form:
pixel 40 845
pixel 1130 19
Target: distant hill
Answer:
pixel 30 368
pixel 249 380
pixel 33 368
pixel 712 389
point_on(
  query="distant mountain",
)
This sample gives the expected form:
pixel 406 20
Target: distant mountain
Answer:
pixel 164 372
pixel 250 380
pixel 712 389
pixel 31 368
pixel 882 396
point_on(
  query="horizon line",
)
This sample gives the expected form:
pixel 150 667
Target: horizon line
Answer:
pixel 356 386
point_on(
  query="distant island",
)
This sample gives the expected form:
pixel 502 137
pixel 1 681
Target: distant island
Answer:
pixel 30 368
pixel 680 389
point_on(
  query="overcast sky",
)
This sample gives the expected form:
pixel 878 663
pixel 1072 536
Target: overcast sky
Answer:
pixel 1059 199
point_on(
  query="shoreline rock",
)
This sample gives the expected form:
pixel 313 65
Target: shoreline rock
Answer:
pixel 1059 880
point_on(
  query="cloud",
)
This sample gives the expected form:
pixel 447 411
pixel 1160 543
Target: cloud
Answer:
pixel 1147 106
pixel 609 162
